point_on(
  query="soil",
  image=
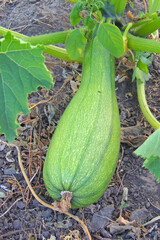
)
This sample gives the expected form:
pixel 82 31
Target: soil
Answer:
pixel 21 216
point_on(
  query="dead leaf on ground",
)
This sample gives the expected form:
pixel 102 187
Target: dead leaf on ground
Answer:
pixel 123 221
pixel 133 136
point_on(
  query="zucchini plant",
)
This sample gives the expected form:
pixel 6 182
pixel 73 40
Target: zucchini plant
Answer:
pixel 84 149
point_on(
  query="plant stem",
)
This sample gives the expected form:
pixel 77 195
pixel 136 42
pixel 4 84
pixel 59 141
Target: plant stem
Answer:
pixel 60 53
pixel 144 106
pixel 45 39
pixel 3 32
pixel 125 40
pixel 51 38
pixel 129 25
pixel 142 44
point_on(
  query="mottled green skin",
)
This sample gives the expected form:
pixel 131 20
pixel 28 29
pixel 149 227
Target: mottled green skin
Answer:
pixel 83 152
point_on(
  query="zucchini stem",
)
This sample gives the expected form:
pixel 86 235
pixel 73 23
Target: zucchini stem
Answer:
pixel 45 39
pixel 143 45
pixel 60 53
pixel 125 40
pixel 144 106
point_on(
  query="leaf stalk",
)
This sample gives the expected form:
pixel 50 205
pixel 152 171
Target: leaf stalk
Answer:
pixel 144 106
pixel 142 44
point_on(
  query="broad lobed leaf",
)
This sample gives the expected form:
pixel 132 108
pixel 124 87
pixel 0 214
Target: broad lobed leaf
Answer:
pixel 22 71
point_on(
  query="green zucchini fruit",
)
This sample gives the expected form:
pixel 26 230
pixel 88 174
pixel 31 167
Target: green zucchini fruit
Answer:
pixel 83 152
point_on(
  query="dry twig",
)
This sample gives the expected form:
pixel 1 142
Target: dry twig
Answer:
pixel 10 207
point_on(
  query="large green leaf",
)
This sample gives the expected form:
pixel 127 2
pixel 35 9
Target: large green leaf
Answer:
pixel 111 38
pixel 150 150
pixel 22 70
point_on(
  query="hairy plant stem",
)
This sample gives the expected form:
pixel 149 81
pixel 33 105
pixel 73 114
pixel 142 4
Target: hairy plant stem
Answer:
pixel 125 40
pixel 142 44
pixel 45 39
pixel 144 106
pixel 40 200
pixel 60 53
pixel 50 38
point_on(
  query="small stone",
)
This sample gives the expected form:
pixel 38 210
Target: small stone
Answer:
pixel 27 217
pixel 1 225
pixel 46 235
pixel 20 205
pixel 7 185
pixel 2 194
pixel 139 215
pixel 156 64
pixel 59 218
pixel 131 235
pixel 16 224
pixel 5 223
pixel 49 219
pixel 78 214
pixel 107 193
pixel 116 228
pixel 105 234
pixel 35 203
pixel 103 217
pixel 148 204
pixel 39 214
pixel 9 171
pixel 10 225
pixel 46 213
pixel 1 162
pixel 2 147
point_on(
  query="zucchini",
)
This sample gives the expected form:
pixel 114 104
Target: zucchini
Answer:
pixel 83 152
